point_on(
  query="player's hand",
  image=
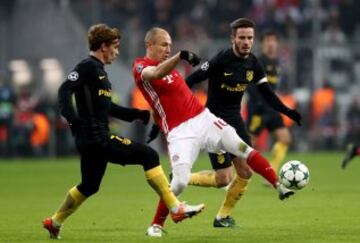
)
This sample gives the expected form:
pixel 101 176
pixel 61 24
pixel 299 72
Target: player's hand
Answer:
pixel 295 116
pixel 190 57
pixel 144 116
pixel 153 133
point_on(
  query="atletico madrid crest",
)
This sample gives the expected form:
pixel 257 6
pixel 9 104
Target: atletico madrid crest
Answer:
pixel 249 75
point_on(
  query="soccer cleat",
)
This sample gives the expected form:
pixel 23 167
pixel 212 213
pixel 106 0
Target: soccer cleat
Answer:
pixel 155 230
pixel 186 211
pixel 227 222
pixel 350 154
pixel 284 192
pixel 54 231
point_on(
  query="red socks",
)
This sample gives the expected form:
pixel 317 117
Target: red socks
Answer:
pixel 262 166
pixel 161 213
pixel 358 151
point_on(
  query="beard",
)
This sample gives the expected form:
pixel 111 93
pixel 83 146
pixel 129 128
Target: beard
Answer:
pixel 241 53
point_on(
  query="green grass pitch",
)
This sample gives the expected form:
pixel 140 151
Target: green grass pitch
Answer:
pixel 327 210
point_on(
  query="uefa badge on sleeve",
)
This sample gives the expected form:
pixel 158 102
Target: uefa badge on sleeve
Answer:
pixel 204 66
pixel 73 76
pixel 139 68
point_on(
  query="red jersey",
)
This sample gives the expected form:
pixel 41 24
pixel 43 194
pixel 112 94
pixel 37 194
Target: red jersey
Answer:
pixel 169 97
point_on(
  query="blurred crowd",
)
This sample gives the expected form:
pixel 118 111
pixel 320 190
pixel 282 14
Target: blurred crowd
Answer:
pixel 28 123
pixel 31 126
pixel 195 22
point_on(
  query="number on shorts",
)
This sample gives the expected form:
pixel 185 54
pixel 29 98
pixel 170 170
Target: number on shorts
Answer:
pixel 220 124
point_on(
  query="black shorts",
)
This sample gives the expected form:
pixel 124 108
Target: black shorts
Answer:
pixel 270 120
pixel 116 149
pixel 223 160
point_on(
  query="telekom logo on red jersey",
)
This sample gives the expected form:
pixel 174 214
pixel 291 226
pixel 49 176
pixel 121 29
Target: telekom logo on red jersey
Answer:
pixel 168 78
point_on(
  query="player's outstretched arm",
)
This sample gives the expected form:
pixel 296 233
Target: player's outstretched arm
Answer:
pixel 164 68
pixel 206 70
pixel 273 100
pixel 199 75
pixel 129 114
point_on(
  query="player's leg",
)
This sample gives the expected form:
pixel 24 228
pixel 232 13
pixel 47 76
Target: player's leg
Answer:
pixel 254 125
pixel 280 147
pixel 283 139
pixel 128 152
pixel 182 153
pixel 181 174
pixel 238 186
pixel 184 144
pixel 93 167
pixel 231 142
pixel 234 192
pixel 352 151
pixel 123 151
pixel 158 222
pixel 220 176
pixel 225 137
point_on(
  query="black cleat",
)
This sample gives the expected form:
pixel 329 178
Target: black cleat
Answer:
pixel 350 154
pixel 227 222
pixel 284 192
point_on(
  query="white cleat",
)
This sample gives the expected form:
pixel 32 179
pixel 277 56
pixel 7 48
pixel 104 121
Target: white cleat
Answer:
pixel 284 192
pixel 155 230
pixel 185 211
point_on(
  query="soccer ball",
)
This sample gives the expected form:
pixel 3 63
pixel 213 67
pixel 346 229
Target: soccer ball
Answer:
pixel 294 175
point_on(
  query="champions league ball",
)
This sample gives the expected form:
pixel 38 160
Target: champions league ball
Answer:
pixel 294 175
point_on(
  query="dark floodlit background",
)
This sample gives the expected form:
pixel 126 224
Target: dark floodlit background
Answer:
pixel 42 40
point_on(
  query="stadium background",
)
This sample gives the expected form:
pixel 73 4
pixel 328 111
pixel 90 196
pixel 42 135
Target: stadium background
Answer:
pixel 41 40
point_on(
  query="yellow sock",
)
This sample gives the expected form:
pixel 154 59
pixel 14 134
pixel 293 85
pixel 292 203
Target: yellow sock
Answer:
pixel 237 188
pixel 203 178
pixel 158 181
pixel 278 153
pixel 72 201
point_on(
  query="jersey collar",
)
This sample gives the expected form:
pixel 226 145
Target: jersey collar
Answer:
pixel 97 60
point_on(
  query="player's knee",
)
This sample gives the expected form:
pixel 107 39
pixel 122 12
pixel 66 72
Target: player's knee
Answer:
pixel 181 178
pixel 151 158
pixel 88 189
pixel 178 184
pixel 242 169
pixel 285 138
pixel 244 173
pixel 234 144
pixel 223 181
pixel 223 177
